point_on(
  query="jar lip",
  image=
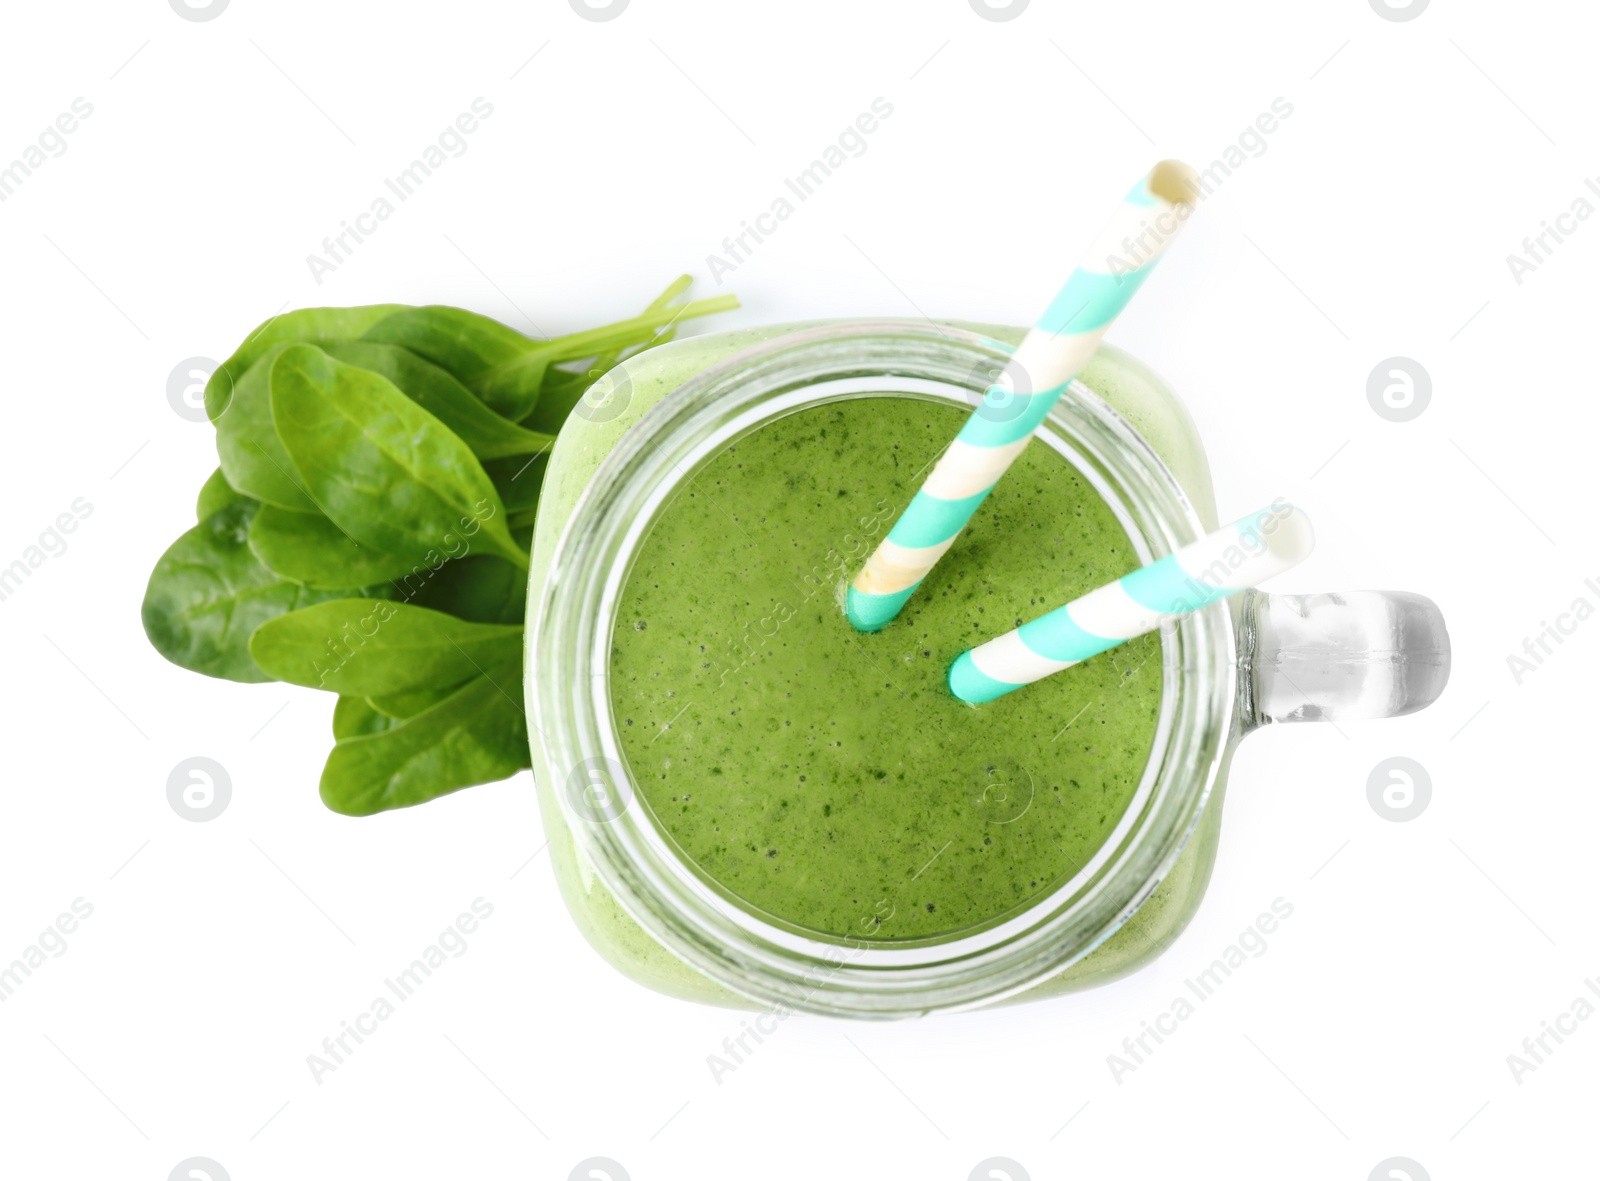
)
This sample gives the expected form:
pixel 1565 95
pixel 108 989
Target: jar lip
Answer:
pixel 569 699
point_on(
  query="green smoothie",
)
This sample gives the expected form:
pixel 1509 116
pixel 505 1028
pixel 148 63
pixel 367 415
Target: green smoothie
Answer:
pixel 828 779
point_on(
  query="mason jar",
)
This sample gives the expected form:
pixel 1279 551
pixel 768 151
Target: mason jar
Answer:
pixel 645 428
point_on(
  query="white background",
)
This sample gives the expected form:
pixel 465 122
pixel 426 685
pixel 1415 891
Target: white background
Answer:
pixel 1376 223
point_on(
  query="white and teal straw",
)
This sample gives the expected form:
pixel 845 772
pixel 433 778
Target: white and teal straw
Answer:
pixel 1052 354
pixel 1237 556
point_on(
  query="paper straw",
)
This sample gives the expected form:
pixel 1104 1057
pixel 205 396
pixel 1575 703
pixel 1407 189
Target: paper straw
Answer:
pixel 1237 556
pixel 1053 353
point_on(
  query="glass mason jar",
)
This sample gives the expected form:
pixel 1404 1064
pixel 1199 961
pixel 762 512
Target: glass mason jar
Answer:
pixel 1226 670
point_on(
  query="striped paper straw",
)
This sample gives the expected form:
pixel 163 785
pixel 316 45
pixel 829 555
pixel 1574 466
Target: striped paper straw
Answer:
pixel 1237 556
pixel 1053 353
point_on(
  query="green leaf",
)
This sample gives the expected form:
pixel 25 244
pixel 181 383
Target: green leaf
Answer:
pixel 463 343
pixel 562 389
pixel 514 387
pixel 485 432
pixel 354 646
pixel 508 370
pixel 216 493
pixel 480 589
pixel 674 289
pixel 400 706
pixel 387 472
pixel 355 716
pixel 476 735
pixel 518 480
pixel 310 549
pixel 208 593
pixel 398 460
pixel 305 325
pixel 253 457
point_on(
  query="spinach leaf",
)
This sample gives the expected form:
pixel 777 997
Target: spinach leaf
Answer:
pixel 518 480
pixel 253 457
pixel 400 706
pixel 353 646
pixel 477 588
pixel 354 716
pixel 402 450
pixel 515 386
pixel 508 370
pixel 306 325
pixel 563 389
pixel 463 343
pixel 476 735
pixel 485 432
pixel 387 472
pixel 216 493
pixel 208 593
pixel 310 549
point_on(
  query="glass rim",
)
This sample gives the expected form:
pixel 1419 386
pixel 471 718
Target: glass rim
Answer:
pixel 751 954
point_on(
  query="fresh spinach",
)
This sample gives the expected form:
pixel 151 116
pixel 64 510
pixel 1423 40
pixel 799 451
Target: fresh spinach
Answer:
pixel 305 326
pixel 487 434
pixel 310 549
pixel 564 388
pixel 518 480
pixel 387 472
pixel 216 493
pixel 367 531
pixel 515 387
pixel 477 588
pixel 355 646
pixel 476 735
pixel 208 594
pixel 508 370
pixel 253 457
pixel 354 716
pixel 463 343
pixel 400 706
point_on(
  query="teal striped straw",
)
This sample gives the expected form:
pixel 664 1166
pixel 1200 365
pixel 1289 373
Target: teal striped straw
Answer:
pixel 1052 354
pixel 1243 554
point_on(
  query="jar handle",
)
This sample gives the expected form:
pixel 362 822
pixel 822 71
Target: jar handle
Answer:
pixel 1336 657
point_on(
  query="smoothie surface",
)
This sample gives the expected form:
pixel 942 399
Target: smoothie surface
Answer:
pixel 828 778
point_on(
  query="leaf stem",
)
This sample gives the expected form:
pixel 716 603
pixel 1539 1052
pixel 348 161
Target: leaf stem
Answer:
pixel 589 343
